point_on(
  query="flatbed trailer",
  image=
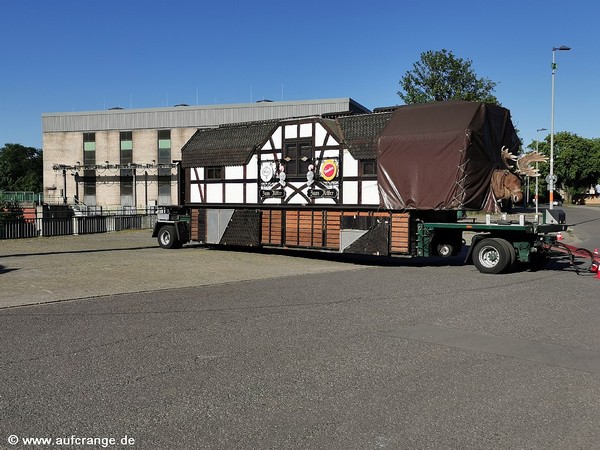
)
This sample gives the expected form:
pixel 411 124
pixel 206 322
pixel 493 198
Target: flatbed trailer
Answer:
pixel 390 183
pixel 496 245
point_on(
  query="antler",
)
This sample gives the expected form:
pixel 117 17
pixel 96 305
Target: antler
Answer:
pixel 526 161
pixel 507 156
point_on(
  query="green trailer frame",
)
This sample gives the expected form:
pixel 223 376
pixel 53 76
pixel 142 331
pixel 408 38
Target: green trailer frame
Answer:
pixel 494 247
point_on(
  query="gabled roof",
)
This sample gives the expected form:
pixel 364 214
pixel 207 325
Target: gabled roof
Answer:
pixel 360 133
pixel 227 145
pixel 234 144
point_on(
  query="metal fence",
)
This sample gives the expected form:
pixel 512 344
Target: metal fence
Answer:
pixel 28 228
pixel 21 196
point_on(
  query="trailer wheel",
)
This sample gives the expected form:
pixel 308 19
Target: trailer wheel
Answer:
pixel 491 256
pixel 445 250
pixel 510 250
pixel 167 237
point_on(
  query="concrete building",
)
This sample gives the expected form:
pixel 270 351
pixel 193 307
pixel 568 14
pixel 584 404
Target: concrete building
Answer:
pixel 128 158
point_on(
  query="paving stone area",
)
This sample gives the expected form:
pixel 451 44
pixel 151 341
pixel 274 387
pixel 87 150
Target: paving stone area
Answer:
pixel 50 269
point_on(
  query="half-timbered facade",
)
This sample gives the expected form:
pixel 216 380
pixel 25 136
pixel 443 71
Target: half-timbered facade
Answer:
pixel 302 161
pixel 306 182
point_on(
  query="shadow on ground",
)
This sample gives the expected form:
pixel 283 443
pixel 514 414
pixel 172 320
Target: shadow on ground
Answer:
pixel 559 263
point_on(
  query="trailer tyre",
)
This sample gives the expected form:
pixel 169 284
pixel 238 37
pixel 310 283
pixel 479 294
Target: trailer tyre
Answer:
pixel 167 237
pixel 510 250
pixel 445 250
pixel 491 256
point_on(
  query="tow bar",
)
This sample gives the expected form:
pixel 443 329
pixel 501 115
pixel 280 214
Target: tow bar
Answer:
pixel 588 261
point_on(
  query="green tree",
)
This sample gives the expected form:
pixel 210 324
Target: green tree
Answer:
pixel 440 76
pixel 21 168
pixel 576 162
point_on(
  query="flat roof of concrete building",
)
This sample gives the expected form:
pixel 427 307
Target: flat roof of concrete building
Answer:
pixel 184 116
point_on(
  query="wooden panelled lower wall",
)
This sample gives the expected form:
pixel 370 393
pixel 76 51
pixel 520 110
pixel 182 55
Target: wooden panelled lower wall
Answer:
pixel 321 228
pixel 195 226
pixel 400 233
pixel 272 227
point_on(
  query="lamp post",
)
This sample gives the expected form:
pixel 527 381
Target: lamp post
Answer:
pixel 537 147
pixel 134 166
pixel 552 181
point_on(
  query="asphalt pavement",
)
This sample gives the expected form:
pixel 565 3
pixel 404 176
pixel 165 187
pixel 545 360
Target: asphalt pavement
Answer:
pixel 49 269
pixel 199 348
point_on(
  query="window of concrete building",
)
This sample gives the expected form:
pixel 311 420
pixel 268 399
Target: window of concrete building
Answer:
pixel 126 147
pixel 126 175
pixel 89 176
pixel 89 148
pixel 164 175
pixel 164 146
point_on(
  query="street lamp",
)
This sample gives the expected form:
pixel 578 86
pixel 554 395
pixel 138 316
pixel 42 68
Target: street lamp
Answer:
pixel 537 149
pixel 552 180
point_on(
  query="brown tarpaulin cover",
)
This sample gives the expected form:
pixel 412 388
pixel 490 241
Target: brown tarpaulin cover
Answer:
pixel 441 155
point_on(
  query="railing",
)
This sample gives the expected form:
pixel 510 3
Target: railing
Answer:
pixel 28 228
pixel 20 197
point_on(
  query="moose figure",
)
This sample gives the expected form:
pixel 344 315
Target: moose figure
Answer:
pixel 507 182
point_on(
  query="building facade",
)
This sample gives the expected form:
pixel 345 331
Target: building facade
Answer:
pixel 308 182
pixel 130 158
pixel 301 161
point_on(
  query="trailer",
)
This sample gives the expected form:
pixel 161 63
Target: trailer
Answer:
pixel 396 183
pixel 496 245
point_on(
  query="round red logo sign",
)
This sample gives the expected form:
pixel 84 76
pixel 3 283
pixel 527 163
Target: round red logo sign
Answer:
pixel 329 170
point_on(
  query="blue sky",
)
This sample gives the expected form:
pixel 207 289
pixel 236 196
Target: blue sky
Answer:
pixel 82 55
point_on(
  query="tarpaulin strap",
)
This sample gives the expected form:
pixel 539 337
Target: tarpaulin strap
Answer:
pixel 460 192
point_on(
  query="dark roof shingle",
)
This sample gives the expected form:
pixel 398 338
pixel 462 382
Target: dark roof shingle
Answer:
pixel 360 133
pixel 234 144
pixel 227 145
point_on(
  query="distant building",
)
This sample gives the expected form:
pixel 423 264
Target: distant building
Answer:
pixel 128 158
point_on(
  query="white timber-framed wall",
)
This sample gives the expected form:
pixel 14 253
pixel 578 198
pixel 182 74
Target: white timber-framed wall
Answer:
pixel 289 167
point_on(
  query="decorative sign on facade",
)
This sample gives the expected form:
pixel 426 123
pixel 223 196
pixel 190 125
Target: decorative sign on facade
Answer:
pixel 329 169
pixel 282 176
pixel 322 193
pixel 267 172
pixel 272 193
pixel 310 176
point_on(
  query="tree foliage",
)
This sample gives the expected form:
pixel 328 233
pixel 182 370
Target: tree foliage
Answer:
pixel 441 76
pixel 21 168
pixel 576 162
